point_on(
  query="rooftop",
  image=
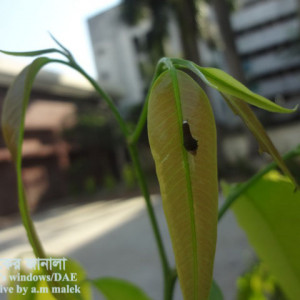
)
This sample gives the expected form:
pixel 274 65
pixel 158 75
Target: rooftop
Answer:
pixel 53 83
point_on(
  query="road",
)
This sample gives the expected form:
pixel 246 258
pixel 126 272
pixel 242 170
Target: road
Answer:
pixel 114 238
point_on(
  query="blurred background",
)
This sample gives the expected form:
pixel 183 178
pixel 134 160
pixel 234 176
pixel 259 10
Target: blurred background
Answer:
pixel 77 173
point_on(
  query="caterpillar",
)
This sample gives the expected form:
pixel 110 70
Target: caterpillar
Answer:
pixel 190 144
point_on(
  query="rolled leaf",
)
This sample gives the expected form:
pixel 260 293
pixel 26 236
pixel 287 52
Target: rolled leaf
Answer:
pixel 269 213
pixel 188 179
pixel 265 144
pixel 226 84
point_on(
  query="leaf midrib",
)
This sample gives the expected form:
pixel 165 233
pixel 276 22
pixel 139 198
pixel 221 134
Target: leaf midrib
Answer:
pixel 186 166
pixel 187 172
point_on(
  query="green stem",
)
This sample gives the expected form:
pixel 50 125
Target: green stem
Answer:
pixel 72 64
pixel 170 284
pixel 107 99
pixel 169 280
pixel 244 186
pixel 27 221
pixel 168 287
pixel 30 228
pixel 133 138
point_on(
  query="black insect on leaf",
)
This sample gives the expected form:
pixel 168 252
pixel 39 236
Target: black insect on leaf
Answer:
pixel 189 143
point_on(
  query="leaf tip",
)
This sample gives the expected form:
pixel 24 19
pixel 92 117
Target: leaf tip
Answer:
pixel 290 110
pixel 295 108
pixel 3 51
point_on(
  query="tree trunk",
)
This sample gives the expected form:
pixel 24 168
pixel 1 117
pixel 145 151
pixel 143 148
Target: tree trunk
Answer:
pixel 186 13
pixel 222 14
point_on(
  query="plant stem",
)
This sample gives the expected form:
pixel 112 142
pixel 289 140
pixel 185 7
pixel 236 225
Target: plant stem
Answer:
pixel 244 186
pixel 107 99
pixel 72 64
pixel 27 221
pixel 133 138
pixel 30 229
pixel 167 272
pixel 170 283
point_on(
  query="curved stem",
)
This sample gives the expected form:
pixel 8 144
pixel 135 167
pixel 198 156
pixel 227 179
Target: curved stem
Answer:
pixel 170 284
pixel 154 224
pixel 244 186
pixel 169 280
pixel 27 221
pixel 107 99
pixel 32 235
pixel 133 138
pixel 72 64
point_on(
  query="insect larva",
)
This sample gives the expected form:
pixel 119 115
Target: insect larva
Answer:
pixel 189 143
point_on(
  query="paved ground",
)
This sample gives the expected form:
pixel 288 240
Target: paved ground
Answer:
pixel 114 238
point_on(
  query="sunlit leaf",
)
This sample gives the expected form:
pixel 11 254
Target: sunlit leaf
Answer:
pixel 265 144
pixel 228 85
pixel 268 211
pixel 188 180
pixel 118 289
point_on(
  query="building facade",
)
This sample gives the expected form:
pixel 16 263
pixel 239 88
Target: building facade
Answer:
pixel 268 41
pixel 46 156
pixel 267 35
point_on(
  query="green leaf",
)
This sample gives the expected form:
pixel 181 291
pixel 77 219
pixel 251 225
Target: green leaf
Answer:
pixel 236 94
pixel 265 144
pixel 226 84
pixel 118 289
pixel 13 116
pixel 188 179
pixel 268 211
pixel 215 292
pixel 32 53
pixel 15 104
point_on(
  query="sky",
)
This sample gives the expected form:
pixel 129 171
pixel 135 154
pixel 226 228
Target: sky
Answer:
pixel 24 26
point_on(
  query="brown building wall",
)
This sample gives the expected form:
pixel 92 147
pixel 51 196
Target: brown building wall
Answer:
pixel 44 166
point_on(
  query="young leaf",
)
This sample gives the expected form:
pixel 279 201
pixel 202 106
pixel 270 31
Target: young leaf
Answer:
pixel 269 213
pixel 226 84
pixel 188 181
pixel 116 289
pixel 31 53
pixel 265 144
pixel 15 104
pixel 13 115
